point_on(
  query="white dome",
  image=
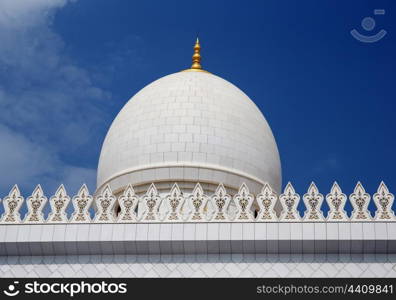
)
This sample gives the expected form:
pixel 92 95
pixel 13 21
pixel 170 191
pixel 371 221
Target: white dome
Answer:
pixel 189 127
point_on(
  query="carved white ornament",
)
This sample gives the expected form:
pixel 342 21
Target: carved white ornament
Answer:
pixel 174 202
pixel 197 207
pixel 81 204
pixel 12 204
pixel 313 201
pixel 151 202
pixel 128 202
pixel 383 200
pixel 35 204
pixel 197 202
pixel 266 201
pixel 221 201
pixel 58 204
pixel 243 201
pixel 336 200
pixel 105 203
pixel 289 200
pixel 360 201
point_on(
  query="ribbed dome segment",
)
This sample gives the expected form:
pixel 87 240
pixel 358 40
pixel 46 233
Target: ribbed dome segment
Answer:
pixel 189 127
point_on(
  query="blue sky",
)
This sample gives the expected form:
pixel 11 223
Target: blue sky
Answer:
pixel 68 67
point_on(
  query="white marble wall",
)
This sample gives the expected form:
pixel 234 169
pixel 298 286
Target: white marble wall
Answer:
pixel 206 266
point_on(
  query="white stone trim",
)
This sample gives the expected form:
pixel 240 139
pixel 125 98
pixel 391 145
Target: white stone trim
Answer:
pixel 202 266
pixel 169 238
pixel 181 165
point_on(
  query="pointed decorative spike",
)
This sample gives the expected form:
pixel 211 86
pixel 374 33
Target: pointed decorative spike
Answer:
pixel 266 201
pixel 105 202
pixel 221 201
pixel 61 190
pixel 12 204
pixel 336 200
pixel 289 200
pixel 151 202
pixel 313 201
pixel 81 204
pixel 382 188
pixel 129 191
pixel 58 204
pixel 289 188
pixel 35 204
pixel 313 188
pixel 83 190
pixel 243 200
pixel 336 188
pixel 197 203
pixel 174 202
pixel 383 200
pixel 107 191
pixel 360 201
pixel 38 191
pixel 198 190
pixel 359 188
pixel 266 187
pixel 221 189
pixel 15 192
pixel 128 202
pixel 175 190
pixel 243 189
pixel 152 190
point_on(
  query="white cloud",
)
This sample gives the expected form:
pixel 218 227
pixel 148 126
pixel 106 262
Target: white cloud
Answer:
pixel 23 161
pixel 50 105
pixel 23 13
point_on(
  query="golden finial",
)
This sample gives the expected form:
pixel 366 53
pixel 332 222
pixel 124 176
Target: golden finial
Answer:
pixel 196 58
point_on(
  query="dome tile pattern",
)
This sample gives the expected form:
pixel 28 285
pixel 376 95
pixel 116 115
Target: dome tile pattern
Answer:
pixel 189 126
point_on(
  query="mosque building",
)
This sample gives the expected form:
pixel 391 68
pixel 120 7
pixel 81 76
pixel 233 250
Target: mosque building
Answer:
pixel 189 185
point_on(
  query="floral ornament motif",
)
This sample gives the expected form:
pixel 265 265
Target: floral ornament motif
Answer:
pixel 81 203
pixel 336 200
pixel 58 204
pixel 383 200
pixel 221 201
pixel 289 200
pixel 174 202
pixel 105 204
pixel 243 201
pixel 197 203
pixel 151 202
pixel 360 201
pixel 35 204
pixel 128 202
pixel 313 201
pixel 266 201
pixel 12 204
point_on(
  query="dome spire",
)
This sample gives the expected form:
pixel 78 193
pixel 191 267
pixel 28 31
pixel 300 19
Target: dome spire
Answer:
pixel 196 58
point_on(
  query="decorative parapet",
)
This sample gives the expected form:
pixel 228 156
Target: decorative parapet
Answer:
pixel 58 204
pixel 336 200
pixel 128 202
pixel 289 200
pixel 175 207
pixel 81 203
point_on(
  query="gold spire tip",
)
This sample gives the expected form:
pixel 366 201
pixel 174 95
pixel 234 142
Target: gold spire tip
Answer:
pixel 196 58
